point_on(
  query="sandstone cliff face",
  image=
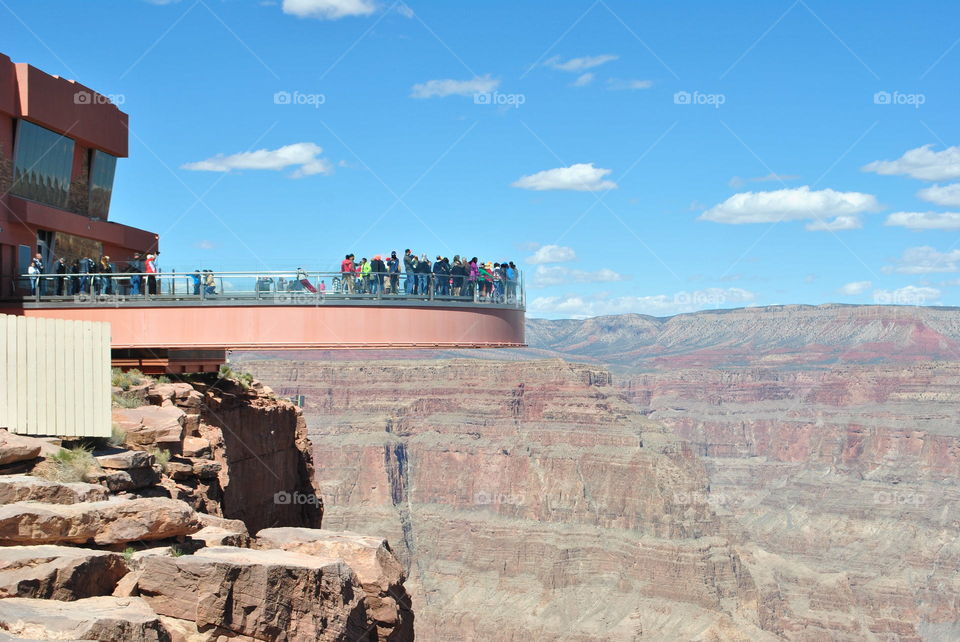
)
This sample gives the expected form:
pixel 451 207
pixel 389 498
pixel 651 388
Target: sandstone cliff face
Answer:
pixel 526 500
pixel 844 481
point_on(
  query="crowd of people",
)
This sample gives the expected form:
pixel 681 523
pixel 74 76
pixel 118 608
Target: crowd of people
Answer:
pixel 422 277
pixel 95 277
pixel 409 275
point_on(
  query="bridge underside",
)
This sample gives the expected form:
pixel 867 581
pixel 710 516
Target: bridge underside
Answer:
pixel 163 330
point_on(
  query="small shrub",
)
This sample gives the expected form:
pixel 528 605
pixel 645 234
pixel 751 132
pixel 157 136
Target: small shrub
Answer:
pixel 128 400
pixel 243 379
pixel 124 380
pixel 118 437
pixel 128 553
pixel 163 379
pixel 176 551
pixel 68 465
pixel 161 457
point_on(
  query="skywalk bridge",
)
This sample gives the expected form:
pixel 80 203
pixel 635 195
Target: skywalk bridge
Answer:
pixel 181 322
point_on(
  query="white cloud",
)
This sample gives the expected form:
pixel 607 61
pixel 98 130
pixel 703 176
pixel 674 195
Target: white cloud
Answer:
pixel 909 295
pixel 857 287
pixel 329 9
pixel 925 220
pixel 583 80
pixel 628 85
pixel 795 204
pixel 552 254
pixel 404 10
pixel 304 156
pixel 924 260
pixel 547 275
pixel 576 65
pixel 948 195
pixel 447 87
pixel 583 177
pixel 656 305
pixel 204 245
pixel 922 163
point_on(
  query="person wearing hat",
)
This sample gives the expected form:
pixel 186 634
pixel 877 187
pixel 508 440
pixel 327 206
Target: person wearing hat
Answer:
pixel 409 262
pixel 393 267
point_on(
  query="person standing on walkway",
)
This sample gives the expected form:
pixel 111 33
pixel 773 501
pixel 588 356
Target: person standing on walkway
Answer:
pixel 60 267
pixel 346 273
pixel 393 268
pixel 408 265
pixel 136 267
pixel 150 267
pixel 423 269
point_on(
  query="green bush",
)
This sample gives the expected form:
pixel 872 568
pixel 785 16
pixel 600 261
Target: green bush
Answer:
pixel 243 379
pixel 118 437
pixel 128 553
pixel 163 379
pixel 68 465
pixel 128 400
pixel 161 457
pixel 124 380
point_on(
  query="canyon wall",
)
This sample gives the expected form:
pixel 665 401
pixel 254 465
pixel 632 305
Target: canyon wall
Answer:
pixel 526 500
pixel 819 445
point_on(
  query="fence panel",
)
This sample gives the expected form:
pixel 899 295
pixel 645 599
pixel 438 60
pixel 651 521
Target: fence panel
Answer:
pixel 54 377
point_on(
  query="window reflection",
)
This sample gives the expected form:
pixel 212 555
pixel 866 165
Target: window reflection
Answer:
pixel 42 165
pixel 102 168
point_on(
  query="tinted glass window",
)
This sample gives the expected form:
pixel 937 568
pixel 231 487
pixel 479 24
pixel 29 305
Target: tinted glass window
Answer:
pixel 43 163
pixel 102 167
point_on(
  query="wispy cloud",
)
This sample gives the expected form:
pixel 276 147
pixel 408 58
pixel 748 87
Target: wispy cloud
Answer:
pixel 923 163
pixel 582 177
pixel 552 254
pixel 857 287
pixel 548 275
pixel 948 195
pixel 329 9
pixel 925 220
pixel 304 156
pixel 448 87
pixel 578 65
pixel 617 84
pixel 925 260
pixel 842 208
pixel 583 80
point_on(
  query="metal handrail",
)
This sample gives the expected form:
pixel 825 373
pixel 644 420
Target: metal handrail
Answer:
pixel 266 287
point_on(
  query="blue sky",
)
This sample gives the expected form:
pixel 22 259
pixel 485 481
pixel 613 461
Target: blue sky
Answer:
pixel 631 157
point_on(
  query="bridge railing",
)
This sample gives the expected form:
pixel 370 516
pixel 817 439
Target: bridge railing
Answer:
pixel 297 287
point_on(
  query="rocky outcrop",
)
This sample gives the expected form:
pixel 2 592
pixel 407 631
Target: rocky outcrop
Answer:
pixel 103 523
pixel 235 589
pixel 200 581
pixel 58 572
pixel 386 604
pixel 107 619
pixel 24 488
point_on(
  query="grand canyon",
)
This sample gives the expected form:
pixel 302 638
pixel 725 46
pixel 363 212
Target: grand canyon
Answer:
pixel 769 473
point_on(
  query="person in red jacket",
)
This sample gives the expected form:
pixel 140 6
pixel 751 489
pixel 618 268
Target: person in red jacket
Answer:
pixel 346 272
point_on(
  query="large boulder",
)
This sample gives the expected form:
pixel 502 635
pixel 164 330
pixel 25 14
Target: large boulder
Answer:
pixel 107 619
pixel 104 523
pixel 264 594
pixel 26 488
pixel 386 603
pixel 120 459
pixel 58 572
pixel 18 448
pixel 160 426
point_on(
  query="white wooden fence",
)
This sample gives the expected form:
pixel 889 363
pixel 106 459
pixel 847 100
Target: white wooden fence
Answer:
pixel 54 377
